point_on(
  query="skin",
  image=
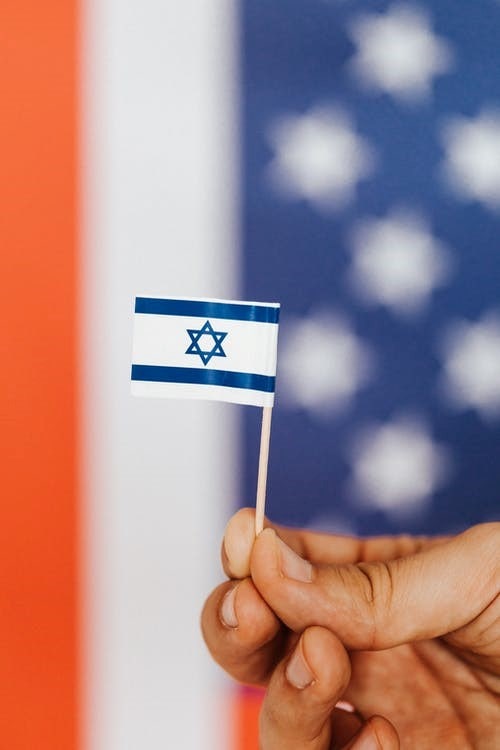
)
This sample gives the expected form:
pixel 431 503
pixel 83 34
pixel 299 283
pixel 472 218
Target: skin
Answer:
pixel 407 630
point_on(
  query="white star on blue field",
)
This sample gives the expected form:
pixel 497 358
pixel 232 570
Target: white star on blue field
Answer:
pixel 200 336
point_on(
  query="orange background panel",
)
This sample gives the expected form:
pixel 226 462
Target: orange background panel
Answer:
pixel 247 709
pixel 38 570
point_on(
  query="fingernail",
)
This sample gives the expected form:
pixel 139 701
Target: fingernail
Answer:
pixel 237 545
pixel 366 742
pixel 297 672
pixel 293 566
pixel 227 610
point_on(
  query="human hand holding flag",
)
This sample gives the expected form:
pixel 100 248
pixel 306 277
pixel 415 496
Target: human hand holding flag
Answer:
pixel 357 640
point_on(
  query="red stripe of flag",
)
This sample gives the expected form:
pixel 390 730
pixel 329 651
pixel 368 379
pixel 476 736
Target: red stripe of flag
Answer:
pixel 247 704
pixel 38 390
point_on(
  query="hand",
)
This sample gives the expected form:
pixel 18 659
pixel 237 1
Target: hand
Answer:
pixel 404 628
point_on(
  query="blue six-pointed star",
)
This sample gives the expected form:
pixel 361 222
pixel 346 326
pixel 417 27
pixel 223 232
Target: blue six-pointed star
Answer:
pixel 195 347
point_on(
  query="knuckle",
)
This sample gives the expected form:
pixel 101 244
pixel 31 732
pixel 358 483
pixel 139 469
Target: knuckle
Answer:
pixel 484 532
pixel 378 594
pixel 486 536
pixel 406 545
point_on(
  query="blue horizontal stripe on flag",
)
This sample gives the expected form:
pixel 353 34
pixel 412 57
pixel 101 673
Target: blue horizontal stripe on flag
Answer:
pixel 197 376
pixel 206 309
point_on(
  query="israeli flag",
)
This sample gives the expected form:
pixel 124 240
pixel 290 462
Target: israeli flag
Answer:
pixel 205 348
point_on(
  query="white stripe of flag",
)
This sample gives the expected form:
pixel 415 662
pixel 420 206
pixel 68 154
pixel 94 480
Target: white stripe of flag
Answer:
pixel 205 348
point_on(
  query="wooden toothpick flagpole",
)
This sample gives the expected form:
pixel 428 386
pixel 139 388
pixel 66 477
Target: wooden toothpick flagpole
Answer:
pixel 265 436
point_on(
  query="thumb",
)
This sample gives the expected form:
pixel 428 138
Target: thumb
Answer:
pixel 377 605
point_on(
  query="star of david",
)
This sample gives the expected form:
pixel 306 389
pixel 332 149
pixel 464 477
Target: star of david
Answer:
pixel 195 345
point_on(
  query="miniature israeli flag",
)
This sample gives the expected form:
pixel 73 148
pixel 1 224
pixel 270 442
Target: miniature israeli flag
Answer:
pixel 205 348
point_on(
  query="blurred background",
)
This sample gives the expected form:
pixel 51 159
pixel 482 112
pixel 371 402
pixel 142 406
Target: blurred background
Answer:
pixel 340 157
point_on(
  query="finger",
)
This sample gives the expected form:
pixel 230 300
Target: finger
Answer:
pixel 241 632
pixel 376 734
pixel 378 605
pixel 302 693
pixel 239 538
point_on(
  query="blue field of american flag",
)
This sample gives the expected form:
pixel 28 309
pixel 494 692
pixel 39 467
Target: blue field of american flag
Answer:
pixel 370 209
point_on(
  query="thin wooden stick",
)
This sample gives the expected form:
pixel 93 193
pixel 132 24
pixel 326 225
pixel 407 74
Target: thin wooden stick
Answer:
pixel 265 436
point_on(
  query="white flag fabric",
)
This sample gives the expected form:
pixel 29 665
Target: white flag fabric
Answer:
pixel 205 348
